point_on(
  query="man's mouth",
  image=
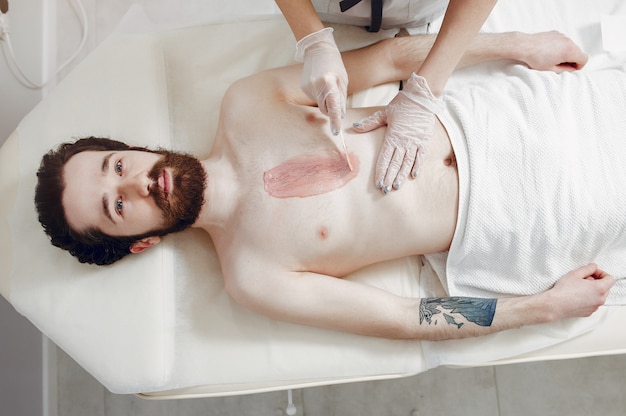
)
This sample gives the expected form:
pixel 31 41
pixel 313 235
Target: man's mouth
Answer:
pixel 165 182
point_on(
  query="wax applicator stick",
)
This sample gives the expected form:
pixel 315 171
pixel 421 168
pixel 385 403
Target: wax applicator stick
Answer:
pixel 345 149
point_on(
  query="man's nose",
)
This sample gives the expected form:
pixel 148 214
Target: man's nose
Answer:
pixel 139 185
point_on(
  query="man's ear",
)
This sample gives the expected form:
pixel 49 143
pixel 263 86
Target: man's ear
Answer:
pixel 144 244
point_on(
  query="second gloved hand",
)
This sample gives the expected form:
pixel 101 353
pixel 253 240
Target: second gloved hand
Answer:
pixel 410 118
pixel 324 77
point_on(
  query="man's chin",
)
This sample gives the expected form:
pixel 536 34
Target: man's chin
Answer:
pixel 181 189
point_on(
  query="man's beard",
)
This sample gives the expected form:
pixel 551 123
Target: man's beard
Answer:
pixel 185 198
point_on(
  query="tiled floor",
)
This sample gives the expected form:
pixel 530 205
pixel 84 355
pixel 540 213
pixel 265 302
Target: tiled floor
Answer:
pixel 591 386
pixel 594 386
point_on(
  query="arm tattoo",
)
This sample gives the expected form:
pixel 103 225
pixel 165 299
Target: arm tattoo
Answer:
pixel 477 310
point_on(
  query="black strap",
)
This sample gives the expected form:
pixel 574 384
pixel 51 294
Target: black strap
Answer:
pixel 377 12
pixel 348 4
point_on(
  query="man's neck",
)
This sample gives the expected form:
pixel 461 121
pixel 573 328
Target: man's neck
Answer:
pixel 220 194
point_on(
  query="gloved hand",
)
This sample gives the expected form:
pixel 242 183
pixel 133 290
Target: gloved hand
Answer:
pixel 410 118
pixel 324 77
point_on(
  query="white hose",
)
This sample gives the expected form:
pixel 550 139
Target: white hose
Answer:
pixel 9 54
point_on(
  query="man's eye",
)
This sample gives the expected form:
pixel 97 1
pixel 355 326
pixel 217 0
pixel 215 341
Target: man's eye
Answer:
pixel 118 167
pixel 119 205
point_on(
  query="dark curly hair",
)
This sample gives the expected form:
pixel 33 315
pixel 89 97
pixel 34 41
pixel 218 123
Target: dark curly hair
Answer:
pixel 90 246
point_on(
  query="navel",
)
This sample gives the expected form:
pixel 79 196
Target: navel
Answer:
pixel 450 160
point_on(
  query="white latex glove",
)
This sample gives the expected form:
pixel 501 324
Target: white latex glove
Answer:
pixel 324 77
pixel 410 118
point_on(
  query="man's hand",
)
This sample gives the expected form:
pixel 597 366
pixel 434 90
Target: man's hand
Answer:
pixel 324 77
pixel 580 292
pixel 410 117
pixel 553 51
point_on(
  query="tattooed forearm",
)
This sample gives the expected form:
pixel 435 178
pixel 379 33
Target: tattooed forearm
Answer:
pixel 477 310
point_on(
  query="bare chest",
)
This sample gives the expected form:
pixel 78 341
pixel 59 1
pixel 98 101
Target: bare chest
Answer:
pixel 302 206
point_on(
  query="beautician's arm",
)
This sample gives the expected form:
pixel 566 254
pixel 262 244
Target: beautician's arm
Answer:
pixel 461 23
pixel 410 116
pixel 338 304
pixel 323 77
pixel 301 16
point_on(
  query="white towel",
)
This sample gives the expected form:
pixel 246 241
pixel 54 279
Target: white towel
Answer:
pixel 542 169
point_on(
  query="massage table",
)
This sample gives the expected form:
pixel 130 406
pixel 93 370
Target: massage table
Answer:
pixel 160 325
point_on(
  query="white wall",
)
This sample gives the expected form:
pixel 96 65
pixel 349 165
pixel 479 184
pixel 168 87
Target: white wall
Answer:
pixel 23 358
pixel 29 26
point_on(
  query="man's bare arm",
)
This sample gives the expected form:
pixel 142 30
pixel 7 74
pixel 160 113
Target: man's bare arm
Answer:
pixel 395 59
pixel 337 304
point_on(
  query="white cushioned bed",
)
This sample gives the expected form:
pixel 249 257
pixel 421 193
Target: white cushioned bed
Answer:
pixel 161 324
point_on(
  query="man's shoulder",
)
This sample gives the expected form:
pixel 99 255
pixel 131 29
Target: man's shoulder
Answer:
pixel 248 274
pixel 241 259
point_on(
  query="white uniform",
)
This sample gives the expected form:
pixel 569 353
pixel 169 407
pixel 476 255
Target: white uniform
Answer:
pixel 396 13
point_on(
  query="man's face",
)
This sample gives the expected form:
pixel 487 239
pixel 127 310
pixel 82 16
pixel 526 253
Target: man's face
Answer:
pixel 132 192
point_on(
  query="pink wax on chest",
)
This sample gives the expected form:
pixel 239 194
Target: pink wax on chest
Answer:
pixel 310 175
